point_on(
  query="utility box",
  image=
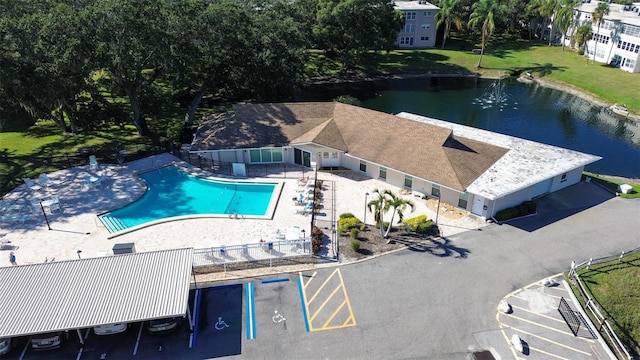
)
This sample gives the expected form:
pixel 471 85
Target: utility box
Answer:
pixel 124 248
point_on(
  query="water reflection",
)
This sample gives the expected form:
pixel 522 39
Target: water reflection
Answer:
pixel 527 111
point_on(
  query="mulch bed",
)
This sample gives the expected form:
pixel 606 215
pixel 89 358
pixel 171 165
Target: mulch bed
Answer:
pixel 371 243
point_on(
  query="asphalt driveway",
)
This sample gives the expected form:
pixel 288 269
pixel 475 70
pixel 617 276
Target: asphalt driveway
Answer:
pixel 442 305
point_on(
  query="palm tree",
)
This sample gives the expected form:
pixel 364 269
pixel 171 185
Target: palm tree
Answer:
pixel 598 15
pixel 397 205
pixel 448 14
pixel 484 11
pixel 564 17
pixel 379 206
pixel 582 35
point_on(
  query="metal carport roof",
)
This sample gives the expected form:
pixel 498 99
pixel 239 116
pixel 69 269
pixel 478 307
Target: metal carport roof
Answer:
pixel 65 295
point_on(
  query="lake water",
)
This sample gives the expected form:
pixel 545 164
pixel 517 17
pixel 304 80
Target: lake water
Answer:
pixel 527 111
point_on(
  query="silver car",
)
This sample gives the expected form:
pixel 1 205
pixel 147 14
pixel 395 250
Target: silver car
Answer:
pixel 109 329
pixel 47 341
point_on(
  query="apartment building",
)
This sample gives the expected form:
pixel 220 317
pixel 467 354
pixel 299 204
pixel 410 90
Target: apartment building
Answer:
pixel 419 29
pixel 618 41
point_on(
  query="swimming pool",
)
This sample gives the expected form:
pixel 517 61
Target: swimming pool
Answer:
pixel 172 192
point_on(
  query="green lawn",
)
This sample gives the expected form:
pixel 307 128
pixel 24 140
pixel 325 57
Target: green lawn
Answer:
pixel 612 184
pixel 503 56
pixel 615 286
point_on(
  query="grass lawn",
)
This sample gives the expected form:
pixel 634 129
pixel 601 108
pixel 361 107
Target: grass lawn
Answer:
pixel 503 56
pixel 612 184
pixel 615 286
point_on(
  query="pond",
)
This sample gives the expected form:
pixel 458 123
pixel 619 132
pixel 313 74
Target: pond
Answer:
pixel 528 111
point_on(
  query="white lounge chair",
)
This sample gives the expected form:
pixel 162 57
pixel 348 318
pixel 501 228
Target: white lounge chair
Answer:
pixel 44 180
pixel 52 204
pixel 32 185
pixel 8 207
pixel 93 162
pixel 17 218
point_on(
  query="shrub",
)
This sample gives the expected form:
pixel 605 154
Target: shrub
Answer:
pixel 522 210
pixel 354 233
pixel 346 215
pixel 386 225
pixel 526 208
pixel 316 240
pixel 532 206
pixel 345 225
pixel 419 224
pixel 355 245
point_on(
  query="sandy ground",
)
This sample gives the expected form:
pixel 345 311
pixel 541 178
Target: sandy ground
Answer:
pixel 77 228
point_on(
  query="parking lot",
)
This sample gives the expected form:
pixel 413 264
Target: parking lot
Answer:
pixel 544 333
pixel 225 318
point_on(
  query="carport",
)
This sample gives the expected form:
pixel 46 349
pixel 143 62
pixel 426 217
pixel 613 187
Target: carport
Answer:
pixel 77 294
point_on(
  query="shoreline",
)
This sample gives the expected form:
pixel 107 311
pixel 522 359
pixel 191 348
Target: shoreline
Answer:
pixel 549 83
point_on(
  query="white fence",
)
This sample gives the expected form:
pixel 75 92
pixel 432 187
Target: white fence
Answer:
pixel 264 251
pixel 603 325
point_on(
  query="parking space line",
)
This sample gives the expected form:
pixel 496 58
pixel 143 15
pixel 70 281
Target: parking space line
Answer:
pixel 322 286
pixel 310 278
pixel 547 353
pixel 537 314
pixel 548 340
pixel 319 310
pixel 251 313
pixel 548 327
pixel 135 348
pixel 328 298
pixel 303 299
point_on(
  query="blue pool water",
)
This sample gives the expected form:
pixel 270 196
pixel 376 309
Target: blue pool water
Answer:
pixel 172 192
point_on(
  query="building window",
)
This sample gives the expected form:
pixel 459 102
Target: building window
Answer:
pixel 426 13
pixel 463 199
pixel 630 63
pixel 424 38
pixel 409 28
pixel 410 15
pixel 435 190
pixel 382 174
pixel 600 53
pixel 563 178
pixel 268 155
pixel 600 38
pixel 406 40
pixel 408 181
pixel 363 166
pixel 425 26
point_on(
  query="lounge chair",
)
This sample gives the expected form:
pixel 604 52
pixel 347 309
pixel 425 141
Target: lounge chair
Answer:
pixel 44 180
pixel 17 218
pixel 8 207
pixel 32 185
pixel 93 162
pixel 52 204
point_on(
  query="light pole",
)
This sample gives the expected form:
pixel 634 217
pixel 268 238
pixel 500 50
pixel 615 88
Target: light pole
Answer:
pixel 365 208
pixel 78 252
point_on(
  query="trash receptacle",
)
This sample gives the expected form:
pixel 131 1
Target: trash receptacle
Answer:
pixel 124 248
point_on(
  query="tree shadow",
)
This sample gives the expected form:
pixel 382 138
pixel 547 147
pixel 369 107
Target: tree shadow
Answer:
pixel 437 246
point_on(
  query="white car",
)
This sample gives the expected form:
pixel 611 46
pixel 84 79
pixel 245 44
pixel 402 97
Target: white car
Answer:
pixel 109 329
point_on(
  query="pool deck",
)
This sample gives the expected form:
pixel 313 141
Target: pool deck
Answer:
pixel 77 227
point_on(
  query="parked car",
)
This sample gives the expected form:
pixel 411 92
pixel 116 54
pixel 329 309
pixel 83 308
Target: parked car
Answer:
pixel 160 326
pixel 109 329
pixel 47 341
pixel 6 344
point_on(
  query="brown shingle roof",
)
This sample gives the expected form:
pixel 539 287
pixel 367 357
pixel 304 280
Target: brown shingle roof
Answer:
pixel 422 150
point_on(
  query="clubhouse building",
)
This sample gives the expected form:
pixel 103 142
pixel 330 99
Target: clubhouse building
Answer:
pixel 472 169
